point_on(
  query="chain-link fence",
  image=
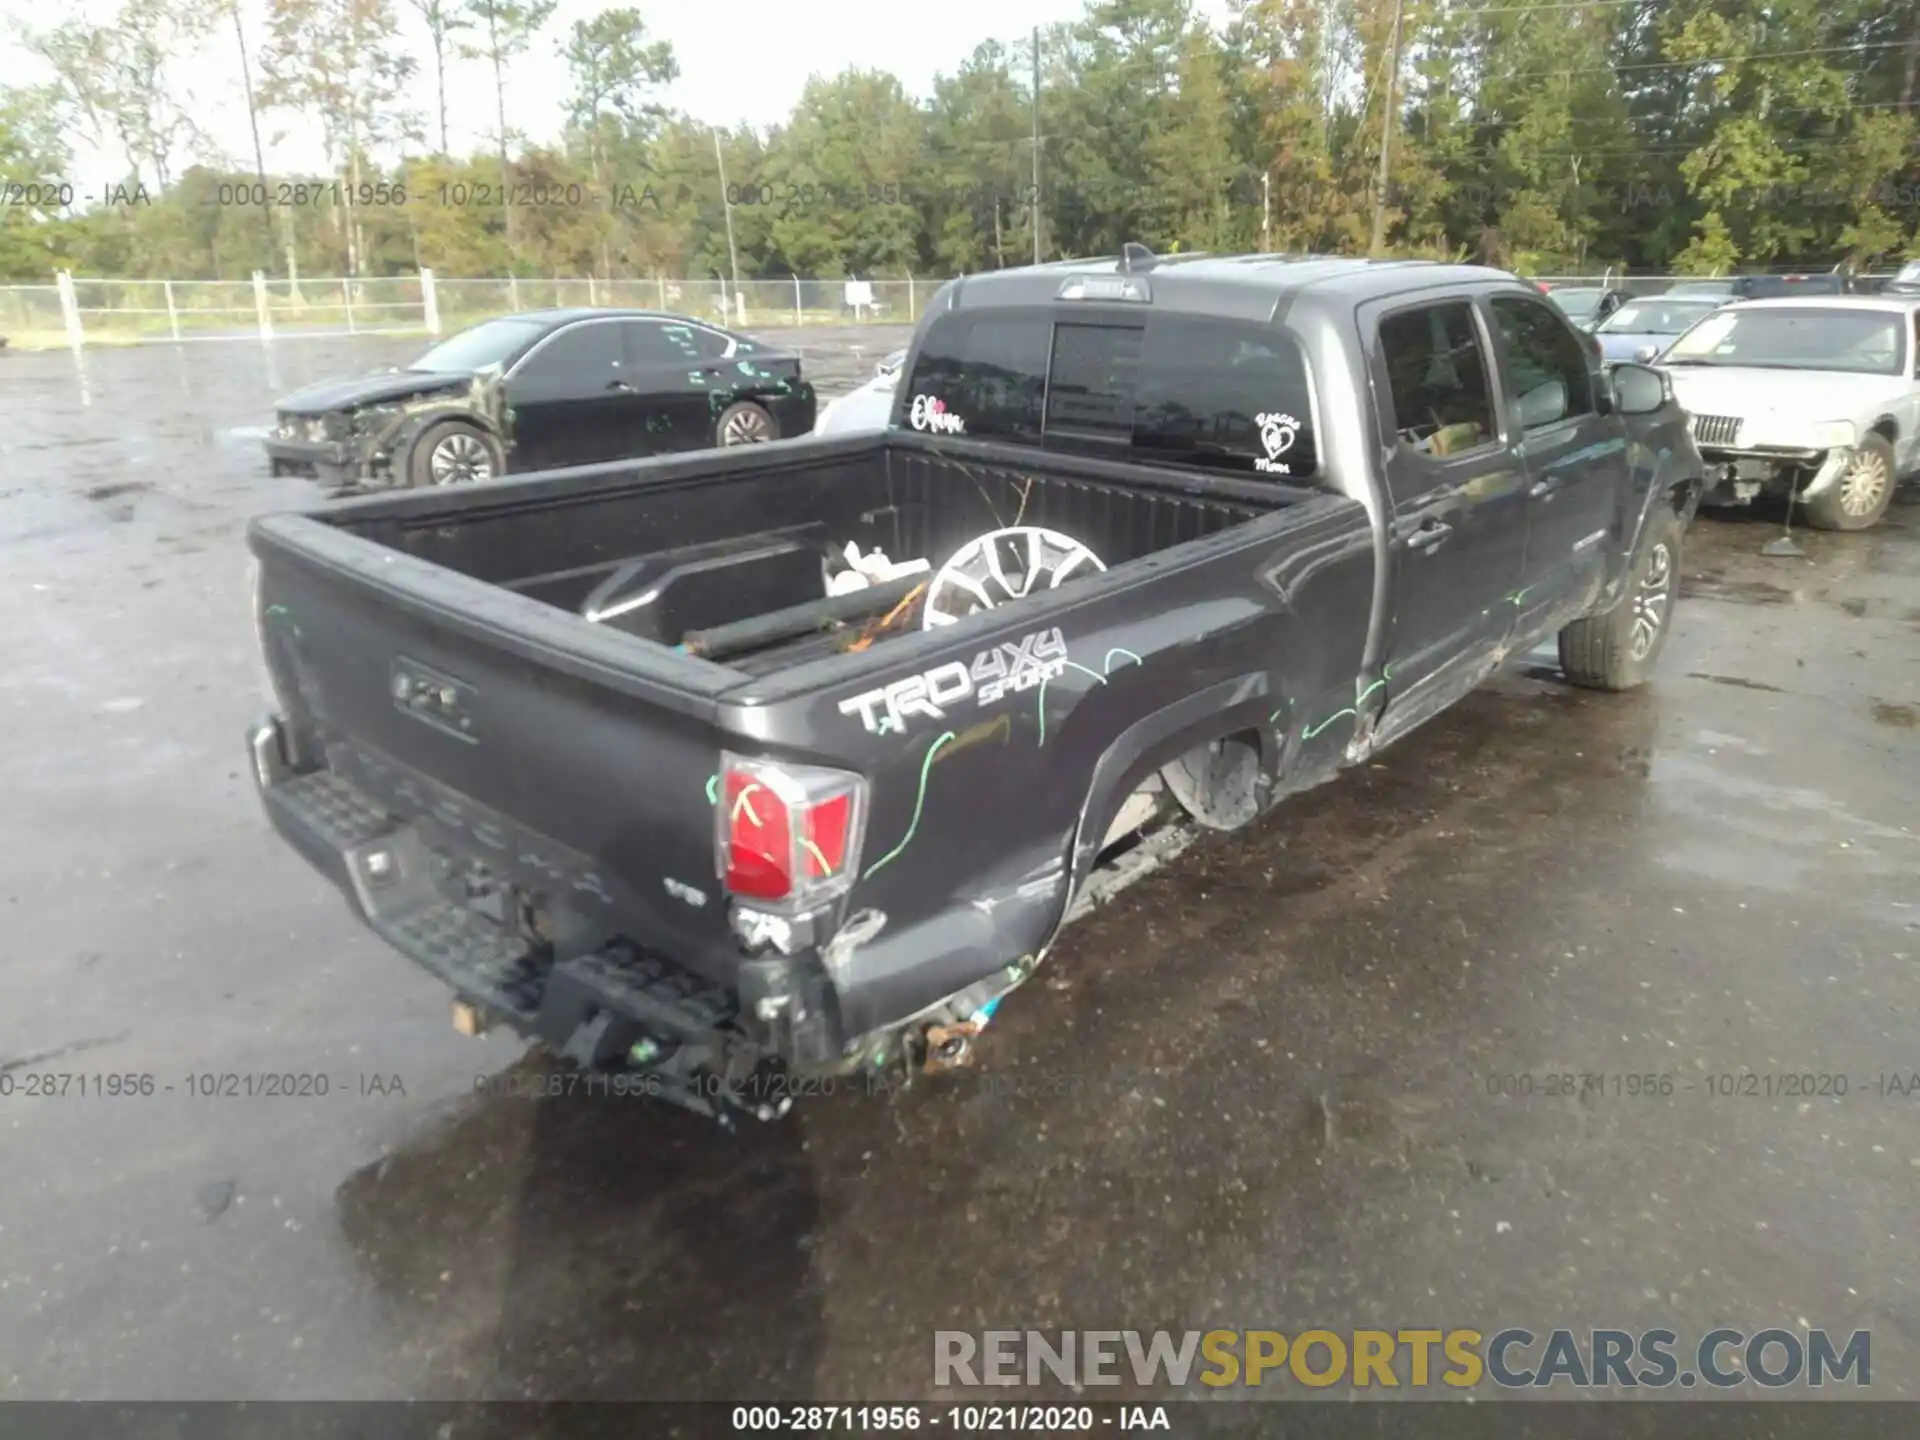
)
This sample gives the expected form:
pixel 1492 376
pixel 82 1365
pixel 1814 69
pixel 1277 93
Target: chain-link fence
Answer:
pixel 85 311
pixel 79 311
pixel 29 312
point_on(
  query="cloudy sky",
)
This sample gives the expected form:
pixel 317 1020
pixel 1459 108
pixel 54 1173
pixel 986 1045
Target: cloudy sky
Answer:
pixel 741 61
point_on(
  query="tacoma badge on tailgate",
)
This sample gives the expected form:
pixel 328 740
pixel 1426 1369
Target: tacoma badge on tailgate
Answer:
pixel 442 701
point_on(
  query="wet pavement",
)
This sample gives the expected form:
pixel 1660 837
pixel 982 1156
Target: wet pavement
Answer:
pixel 1257 1091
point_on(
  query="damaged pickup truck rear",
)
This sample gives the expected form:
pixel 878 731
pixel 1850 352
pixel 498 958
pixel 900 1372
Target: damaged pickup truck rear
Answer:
pixel 794 760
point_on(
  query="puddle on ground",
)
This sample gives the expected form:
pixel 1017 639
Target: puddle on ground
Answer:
pixel 127 487
pixel 1713 585
pixel 1735 680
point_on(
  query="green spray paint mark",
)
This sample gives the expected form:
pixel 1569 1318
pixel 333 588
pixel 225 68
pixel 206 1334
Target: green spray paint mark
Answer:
pixel 919 802
pixel 1040 702
pixel 1359 699
pixel 1314 730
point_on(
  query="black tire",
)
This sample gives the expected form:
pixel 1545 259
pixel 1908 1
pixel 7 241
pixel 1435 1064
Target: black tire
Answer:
pixel 461 447
pixel 745 423
pixel 1842 507
pixel 1614 650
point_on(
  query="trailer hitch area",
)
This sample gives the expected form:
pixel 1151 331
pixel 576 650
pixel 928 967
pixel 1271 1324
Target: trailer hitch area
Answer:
pixel 948 1047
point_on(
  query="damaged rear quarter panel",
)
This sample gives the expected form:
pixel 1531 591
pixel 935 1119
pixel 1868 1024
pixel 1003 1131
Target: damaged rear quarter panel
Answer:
pixel 979 795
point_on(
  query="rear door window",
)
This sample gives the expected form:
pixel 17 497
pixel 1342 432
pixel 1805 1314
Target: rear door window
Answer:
pixel 1171 389
pixel 1437 377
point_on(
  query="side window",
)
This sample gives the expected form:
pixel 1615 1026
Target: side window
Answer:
pixel 1547 368
pixel 984 373
pixel 1442 400
pixel 583 356
pixel 657 342
pixel 1913 350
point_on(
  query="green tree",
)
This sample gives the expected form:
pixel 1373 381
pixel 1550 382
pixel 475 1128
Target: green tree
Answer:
pixel 124 79
pixel 339 62
pixel 33 153
pixel 444 22
pixel 505 28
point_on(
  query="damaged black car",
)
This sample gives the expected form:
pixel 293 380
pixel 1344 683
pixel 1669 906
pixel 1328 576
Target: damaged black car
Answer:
pixel 542 391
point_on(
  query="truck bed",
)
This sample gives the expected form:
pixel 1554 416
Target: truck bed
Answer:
pixel 715 545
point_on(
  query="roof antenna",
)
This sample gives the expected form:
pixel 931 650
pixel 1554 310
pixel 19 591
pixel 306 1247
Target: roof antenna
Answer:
pixel 1135 257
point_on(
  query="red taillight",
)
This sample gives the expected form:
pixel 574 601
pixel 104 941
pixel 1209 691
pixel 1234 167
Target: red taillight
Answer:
pixel 787 835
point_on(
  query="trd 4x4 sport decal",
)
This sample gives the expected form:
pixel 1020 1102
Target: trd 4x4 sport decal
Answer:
pixel 1008 669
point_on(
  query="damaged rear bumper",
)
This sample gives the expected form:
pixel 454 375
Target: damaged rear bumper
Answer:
pixel 494 921
pixel 611 1007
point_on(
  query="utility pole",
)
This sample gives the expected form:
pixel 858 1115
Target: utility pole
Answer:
pixel 259 155
pixel 733 255
pixel 1036 145
pixel 1386 136
pixel 1266 212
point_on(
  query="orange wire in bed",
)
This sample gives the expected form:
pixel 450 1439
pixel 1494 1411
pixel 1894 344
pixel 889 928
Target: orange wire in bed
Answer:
pixel 886 622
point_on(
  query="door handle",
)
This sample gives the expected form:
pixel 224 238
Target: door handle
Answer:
pixel 1428 536
pixel 1540 489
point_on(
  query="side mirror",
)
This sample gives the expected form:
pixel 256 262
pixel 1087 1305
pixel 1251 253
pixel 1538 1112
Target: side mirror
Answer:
pixel 1638 390
pixel 1645 354
pixel 1543 405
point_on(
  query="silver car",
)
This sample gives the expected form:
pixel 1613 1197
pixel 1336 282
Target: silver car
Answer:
pixel 866 408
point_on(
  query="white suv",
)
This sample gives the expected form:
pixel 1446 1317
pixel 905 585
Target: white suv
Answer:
pixel 1817 398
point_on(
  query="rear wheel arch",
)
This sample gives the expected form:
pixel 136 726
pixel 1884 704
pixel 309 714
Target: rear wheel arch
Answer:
pixel 1230 713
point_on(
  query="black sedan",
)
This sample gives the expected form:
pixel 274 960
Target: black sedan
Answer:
pixel 541 391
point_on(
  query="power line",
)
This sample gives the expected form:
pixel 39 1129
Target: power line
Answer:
pixel 1701 60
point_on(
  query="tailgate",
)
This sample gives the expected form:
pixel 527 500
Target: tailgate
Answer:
pixel 569 761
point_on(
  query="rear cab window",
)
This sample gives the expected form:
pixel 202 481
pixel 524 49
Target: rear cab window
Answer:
pixel 1183 390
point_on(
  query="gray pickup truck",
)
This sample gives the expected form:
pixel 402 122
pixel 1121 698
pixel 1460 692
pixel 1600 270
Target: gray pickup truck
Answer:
pixel 725 771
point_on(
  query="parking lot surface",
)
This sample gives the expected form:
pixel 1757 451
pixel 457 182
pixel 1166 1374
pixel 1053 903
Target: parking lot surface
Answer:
pixel 1301 1078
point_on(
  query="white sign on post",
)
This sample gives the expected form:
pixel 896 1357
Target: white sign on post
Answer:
pixel 859 295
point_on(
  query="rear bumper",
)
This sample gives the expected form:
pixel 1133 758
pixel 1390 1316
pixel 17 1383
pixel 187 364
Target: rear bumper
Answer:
pixel 613 1007
pixel 794 413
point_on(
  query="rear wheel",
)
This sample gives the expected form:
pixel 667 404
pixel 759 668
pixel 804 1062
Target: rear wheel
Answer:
pixel 745 423
pixel 1616 649
pixel 452 452
pixel 1863 492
